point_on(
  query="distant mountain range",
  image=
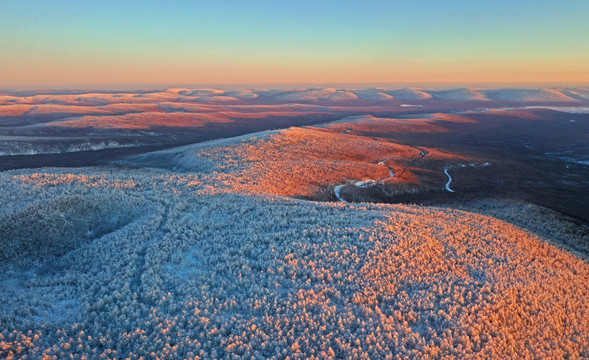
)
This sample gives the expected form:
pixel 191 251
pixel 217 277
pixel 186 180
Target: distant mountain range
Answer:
pixel 312 95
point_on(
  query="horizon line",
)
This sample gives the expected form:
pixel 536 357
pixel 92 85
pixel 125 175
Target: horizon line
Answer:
pixel 306 85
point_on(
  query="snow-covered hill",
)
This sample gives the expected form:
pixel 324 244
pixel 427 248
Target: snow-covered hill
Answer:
pixel 528 95
pixel 345 96
pixel 190 253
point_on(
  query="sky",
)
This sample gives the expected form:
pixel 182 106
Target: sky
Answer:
pixel 146 43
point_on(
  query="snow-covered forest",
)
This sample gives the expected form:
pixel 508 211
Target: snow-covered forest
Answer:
pixel 197 253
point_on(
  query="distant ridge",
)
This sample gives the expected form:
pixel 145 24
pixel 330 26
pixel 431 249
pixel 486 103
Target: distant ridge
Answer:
pixel 304 95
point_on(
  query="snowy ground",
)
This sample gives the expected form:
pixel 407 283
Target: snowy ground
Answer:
pixel 160 261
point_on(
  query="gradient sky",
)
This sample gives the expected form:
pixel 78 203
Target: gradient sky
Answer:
pixel 186 43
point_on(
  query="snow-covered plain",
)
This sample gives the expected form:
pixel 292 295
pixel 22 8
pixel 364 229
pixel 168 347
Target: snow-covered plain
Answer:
pixel 188 255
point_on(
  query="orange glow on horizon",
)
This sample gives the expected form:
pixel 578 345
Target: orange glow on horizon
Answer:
pixel 71 73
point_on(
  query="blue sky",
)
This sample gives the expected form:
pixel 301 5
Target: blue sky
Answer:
pixel 63 43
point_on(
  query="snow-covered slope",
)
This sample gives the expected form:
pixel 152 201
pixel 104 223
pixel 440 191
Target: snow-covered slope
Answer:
pixel 521 95
pixel 148 264
pixel 123 262
pixel 410 94
pixel 459 95
pixel 317 95
pixel 373 94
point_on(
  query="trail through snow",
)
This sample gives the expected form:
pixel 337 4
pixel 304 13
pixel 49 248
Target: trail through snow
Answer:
pixel 461 165
pixel 449 180
pixel 338 192
pixel 365 184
